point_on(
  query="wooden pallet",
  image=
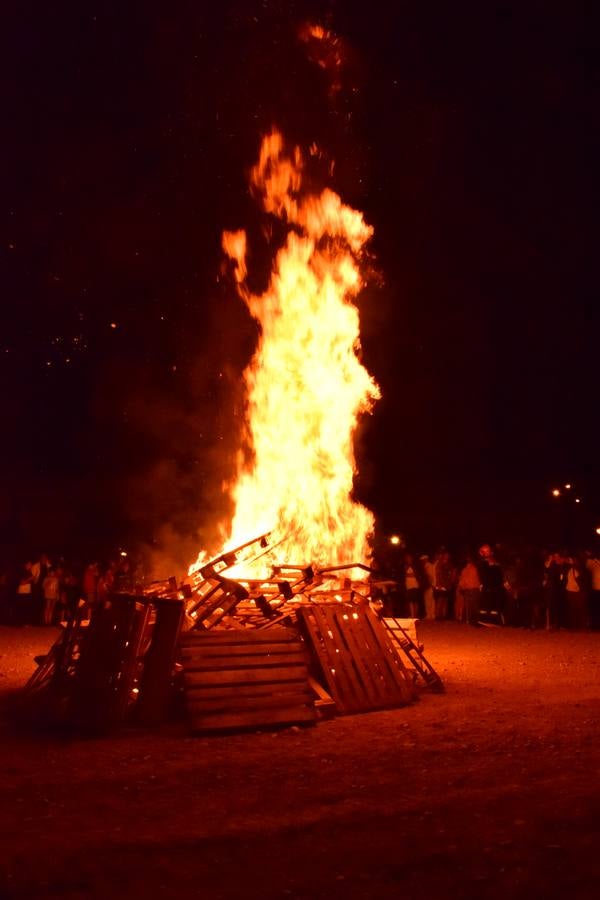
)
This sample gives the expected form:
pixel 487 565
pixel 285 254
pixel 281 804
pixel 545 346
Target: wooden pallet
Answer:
pixel 405 638
pixel 246 679
pixel 359 663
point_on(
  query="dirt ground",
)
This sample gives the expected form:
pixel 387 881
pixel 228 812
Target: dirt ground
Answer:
pixel 491 790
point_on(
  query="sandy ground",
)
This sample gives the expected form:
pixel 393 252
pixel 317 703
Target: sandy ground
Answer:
pixel 491 790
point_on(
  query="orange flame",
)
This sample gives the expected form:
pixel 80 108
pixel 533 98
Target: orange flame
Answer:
pixel 306 387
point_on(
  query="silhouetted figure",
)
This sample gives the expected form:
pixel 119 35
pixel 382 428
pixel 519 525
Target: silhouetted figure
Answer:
pixel 444 579
pixel 468 593
pixel 593 568
pixel 554 589
pixel 493 594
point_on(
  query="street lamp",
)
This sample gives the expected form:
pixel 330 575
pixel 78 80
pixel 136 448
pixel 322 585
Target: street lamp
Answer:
pixel 556 492
pixel 395 540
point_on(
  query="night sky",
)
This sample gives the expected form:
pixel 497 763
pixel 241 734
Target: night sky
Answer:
pixel 460 129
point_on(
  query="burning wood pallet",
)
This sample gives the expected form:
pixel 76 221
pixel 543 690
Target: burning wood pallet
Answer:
pixel 246 679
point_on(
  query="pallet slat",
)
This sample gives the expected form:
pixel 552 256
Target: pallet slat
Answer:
pixel 233 691
pixel 272 636
pixel 264 674
pixel 240 704
pixel 215 664
pixel 256 719
pixel 246 648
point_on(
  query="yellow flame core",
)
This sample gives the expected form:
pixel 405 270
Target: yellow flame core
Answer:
pixel 306 387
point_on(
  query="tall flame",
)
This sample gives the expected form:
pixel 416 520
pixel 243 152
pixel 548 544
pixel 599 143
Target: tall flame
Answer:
pixel 306 387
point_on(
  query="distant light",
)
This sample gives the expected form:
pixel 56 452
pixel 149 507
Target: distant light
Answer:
pixel 123 553
pixel 113 324
pixel 577 499
pixel 556 492
pixel 394 539
pixel 568 487
pixel 598 530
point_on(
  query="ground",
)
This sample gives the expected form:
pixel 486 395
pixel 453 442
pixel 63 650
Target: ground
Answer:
pixel 490 790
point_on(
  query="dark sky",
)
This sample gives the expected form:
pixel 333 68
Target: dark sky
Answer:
pixel 460 129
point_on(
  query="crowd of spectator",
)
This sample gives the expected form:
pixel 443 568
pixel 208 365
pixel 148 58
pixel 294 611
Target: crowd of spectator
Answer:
pixel 47 592
pixel 529 589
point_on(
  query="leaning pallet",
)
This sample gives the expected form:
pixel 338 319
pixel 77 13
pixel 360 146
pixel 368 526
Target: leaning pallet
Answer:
pixel 246 679
pixel 358 662
pixel 405 639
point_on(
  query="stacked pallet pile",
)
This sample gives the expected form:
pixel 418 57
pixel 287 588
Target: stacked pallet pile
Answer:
pixel 280 646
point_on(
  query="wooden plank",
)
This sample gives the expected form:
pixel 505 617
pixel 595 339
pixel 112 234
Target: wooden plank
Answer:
pixel 216 663
pixel 245 648
pixel 382 644
pixel 390 656
pixel 367 665
pixel 379 686
pixel 335 673
pixel 325 705
pixel 353 693
pixel 342 680
pixel 232 691
pixel 299 698
pixel 272 636
pixel 254 719
pixel 378 663
pixel 319 690
pixel 248 676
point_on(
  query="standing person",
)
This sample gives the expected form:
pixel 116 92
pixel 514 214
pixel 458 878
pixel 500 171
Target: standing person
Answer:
pixel 469 591
pixel 554 588
pixel 593 567
pixel 511 610
pixel 492 582
pixel 90 586
pixel 444 577
pixel 72 593
pixel 51 595
pixel 412 582
pixel 428 570
pixel 576 606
